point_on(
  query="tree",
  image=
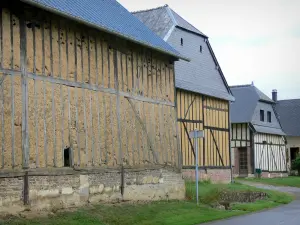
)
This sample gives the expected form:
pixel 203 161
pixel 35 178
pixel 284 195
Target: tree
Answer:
pixel 296 164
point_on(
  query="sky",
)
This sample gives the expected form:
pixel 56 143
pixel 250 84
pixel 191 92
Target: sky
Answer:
pixel 254 41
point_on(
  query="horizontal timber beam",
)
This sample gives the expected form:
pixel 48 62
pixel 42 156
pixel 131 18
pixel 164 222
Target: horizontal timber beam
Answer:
pixel 259 143
pixel 190 121
pixel 216 109
pixel 216 128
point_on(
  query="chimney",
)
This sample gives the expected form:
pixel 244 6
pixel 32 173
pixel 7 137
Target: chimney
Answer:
pixel 274 95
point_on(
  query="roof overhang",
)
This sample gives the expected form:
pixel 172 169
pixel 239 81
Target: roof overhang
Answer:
pixel 268 130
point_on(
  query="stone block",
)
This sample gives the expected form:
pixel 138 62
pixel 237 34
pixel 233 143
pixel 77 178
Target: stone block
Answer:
pixel 48 193
pixel 84 180
pixel 67 191
pixel 155 180
pixel 83 191
pixel 108 189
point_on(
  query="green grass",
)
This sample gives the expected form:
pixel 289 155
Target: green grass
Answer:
pixel 291 181
pixel 161 213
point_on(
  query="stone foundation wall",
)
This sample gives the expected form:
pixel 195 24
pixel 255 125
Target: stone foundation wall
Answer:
pixel 68 190
pixel 273 175
pixel 214 175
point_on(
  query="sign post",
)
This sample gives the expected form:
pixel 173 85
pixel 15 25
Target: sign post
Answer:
pixel 196 134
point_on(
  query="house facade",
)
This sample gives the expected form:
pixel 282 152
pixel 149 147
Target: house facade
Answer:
pixel 87 107
pixel 202 94
pixel 288 112
pixel 257 140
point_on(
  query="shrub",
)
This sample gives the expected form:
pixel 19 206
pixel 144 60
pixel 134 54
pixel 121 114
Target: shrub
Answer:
pixel 296 164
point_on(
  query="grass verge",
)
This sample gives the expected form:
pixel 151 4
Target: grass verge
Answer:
pixel 163 212
pixel 291 181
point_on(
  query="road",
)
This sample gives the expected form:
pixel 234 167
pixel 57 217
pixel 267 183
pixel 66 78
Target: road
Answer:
pixel 283 215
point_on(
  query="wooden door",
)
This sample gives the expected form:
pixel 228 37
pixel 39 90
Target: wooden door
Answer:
pixel 243 161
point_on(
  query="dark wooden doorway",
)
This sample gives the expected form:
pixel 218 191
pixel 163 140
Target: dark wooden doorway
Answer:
pixel 243 162
pixel 294 153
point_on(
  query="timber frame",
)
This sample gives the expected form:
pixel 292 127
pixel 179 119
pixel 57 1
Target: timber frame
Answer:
pixel 208 114
pixel 265 151
pixel 67 86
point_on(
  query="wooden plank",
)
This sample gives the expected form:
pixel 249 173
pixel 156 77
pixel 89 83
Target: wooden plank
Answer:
pixel 23 44
pixel 1 42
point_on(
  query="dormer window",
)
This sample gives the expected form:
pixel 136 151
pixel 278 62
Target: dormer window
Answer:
pixel 201 48
pixel 181 41
pixel 262 115
pixel 269 117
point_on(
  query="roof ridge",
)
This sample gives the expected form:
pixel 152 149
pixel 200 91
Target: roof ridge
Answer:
pixel 186 21
pixel 241 85
pixel 290 99
pixel 148 10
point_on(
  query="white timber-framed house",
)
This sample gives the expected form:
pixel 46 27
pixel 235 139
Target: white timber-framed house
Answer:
pixel 257 140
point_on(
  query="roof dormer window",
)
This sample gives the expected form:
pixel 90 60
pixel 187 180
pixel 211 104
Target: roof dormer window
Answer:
pixel 262 115
pixel 269 117
pixel 181 41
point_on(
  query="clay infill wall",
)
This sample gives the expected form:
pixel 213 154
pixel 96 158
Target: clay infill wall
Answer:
pixel 64 86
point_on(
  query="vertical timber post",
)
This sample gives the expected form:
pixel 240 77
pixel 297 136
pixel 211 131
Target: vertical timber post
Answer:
pixel 197 174
pixel 25 150
pixel 23 57
pixel 229 141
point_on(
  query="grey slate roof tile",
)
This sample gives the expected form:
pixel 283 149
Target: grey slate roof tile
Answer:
pixel 159 20
pixel 202 74
pixel 289 116
pixel 184 24
pixel 249 100
pixel 107 15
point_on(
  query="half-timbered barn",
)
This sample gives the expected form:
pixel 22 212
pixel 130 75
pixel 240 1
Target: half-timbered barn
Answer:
pixel 87 106
pixel 203 95
pixel 257 139
pixel 288 112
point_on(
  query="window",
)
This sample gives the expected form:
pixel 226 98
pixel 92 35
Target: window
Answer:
pixel 67 158
pixel 201 48
pixel 262 115
pixel 269 117
pixel 181 41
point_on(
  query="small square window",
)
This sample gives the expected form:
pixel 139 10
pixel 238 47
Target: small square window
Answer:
pixel 262 115
pixel 269 117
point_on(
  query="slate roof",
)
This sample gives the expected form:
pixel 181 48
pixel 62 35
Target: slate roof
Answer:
pixel 288 112
pixel 109 16
pixel 242 109
pixel 249 100
pixel 161 20
pixel 203 73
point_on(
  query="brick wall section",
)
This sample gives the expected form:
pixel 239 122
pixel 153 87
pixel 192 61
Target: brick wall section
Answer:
pixel 63 191
pixel 214 175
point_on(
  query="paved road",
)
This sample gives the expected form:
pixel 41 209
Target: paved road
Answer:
pixel 283 215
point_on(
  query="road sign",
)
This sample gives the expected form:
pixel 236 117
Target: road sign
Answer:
pixel 197 134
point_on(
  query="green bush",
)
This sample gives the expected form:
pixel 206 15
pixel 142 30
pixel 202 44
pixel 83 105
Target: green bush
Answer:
pixel 296 164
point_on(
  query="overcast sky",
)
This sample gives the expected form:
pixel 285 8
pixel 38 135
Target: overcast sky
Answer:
pixel 256 40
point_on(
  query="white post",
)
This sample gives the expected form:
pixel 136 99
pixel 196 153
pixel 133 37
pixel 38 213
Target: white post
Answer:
pixel 197 175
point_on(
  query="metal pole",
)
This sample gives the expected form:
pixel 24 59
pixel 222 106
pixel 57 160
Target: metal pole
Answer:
pixel 197 183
